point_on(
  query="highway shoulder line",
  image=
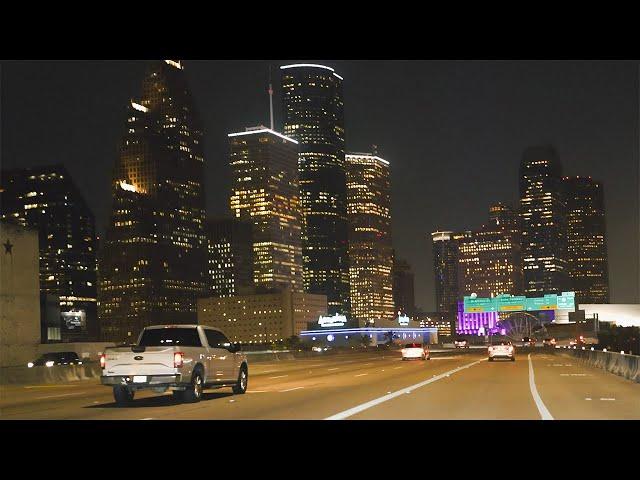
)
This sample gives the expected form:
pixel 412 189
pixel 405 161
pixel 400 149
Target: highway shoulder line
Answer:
pixel 544 412
pixel 365 406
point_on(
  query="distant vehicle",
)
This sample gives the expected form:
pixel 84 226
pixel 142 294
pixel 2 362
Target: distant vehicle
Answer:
pixel 502 349
pixel 461 343
pixel 529 342
pixel 414 351
pixel 182 358
pixel 321 349
pixel 56 358
pixel 549 342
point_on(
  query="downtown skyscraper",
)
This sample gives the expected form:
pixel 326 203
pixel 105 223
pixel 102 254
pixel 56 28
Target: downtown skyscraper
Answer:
pixel 313 113
pixel 543 222
pixel 445 268
pixel 265 193
pixel 153 262
pixel 489 259
pixel 586 237
pixel 370 248
pixel 47 199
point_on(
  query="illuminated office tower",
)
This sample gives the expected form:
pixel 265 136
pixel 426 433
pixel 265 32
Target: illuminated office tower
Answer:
pixel 47 199
pixel 370 249
pixel 153 262
pixel 543 222
pixel 313 115
pixel 489 260
pixel 230 244
pixel 403 287
pixel 586 238
pixel 265 192
pixel 445 267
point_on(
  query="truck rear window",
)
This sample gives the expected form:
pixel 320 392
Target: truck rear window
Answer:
pixel 167 337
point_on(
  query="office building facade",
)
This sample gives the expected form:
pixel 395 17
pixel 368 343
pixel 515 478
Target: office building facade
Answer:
pixel 260 318
pixel 445 267
pixel 230 256
pixel 403 287
pixel 586 240
pixel 265 193
pixel 370 248
pixel 153 264
pixel 543 222
pixel 313 114
pixel 47 200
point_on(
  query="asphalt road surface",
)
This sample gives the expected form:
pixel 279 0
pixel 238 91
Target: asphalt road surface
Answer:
pixel 452 385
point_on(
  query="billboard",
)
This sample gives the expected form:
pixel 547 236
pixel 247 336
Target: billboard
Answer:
pixel 74 321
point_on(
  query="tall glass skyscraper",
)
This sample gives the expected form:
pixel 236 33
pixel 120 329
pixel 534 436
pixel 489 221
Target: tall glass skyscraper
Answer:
pixel 370 248
pixel 587 245
pixel 543 222
pixel 265 192
pixel 445 268
pixel 153 262
pixel 313 115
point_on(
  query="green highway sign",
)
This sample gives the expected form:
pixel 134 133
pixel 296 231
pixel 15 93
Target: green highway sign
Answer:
pixel 511 304
pixel 567 301
pixel 477 305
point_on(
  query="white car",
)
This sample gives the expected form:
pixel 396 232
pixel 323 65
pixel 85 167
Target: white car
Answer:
pixel 502 349
pixel 413 351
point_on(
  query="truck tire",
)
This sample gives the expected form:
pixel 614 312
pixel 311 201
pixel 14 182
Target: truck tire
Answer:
pixel 178 395
pixel 122 395
pixel 193 393
pixel 243 379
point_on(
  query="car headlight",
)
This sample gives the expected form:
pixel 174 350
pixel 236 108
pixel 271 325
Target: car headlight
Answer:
pixel 30 364
pixel 50 363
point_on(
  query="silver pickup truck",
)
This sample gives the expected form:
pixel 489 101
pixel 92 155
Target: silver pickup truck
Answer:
pixel 182 358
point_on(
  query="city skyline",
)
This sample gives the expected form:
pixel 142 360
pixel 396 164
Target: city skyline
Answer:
pixel 411 229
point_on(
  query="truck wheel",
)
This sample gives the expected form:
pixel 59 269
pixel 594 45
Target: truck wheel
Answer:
pixel 122 395
pixel 193 393
pixel 243 378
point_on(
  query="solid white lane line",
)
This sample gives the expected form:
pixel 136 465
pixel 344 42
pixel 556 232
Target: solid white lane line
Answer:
pixel 587 398
pixel 544 412
pixel 257 391
pixel 609 399
pixel 361 375
pixel 148 418
pixel 395 368
pixel 330 369
pixel 61 395
pixel 365 406
pixel 279 376
pixel 291 389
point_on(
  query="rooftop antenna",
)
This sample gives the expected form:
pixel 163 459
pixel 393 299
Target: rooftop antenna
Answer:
pixel 270 99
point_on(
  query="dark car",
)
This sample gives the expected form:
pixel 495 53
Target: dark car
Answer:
pixel 549 342
pixel 56 358
pixel 529 342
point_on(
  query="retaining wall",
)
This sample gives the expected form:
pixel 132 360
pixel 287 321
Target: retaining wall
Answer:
pixel 627 366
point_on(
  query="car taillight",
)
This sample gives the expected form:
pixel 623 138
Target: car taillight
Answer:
pixel 103 361
pixel 490 349
pixel 511 349
pixel 178 358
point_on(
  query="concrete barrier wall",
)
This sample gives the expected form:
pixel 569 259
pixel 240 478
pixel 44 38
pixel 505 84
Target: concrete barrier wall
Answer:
pixel 85 350
pixel 48 375
pixel 627 366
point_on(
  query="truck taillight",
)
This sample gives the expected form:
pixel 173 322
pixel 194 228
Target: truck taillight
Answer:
pixel 103 361
pixel 178 359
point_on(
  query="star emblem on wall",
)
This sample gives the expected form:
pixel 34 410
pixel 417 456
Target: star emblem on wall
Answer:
pixel 7 247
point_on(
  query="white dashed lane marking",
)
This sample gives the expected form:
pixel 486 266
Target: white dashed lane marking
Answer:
pixel 291 389
pixel 361 375
pixel 279 376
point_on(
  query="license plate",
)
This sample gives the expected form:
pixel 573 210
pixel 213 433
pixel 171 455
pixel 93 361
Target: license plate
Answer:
pixel 139 378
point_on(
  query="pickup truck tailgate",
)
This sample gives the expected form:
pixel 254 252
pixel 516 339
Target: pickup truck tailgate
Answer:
pixel 153 361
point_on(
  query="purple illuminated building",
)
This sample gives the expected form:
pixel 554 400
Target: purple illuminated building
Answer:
pixel 470 323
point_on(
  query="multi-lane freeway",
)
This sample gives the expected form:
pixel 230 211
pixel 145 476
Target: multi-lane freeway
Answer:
pixel 453 385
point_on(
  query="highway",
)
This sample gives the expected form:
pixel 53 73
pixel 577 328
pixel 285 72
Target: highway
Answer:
pixel 364 386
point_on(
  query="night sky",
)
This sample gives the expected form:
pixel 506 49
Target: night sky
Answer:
pixel 454 132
